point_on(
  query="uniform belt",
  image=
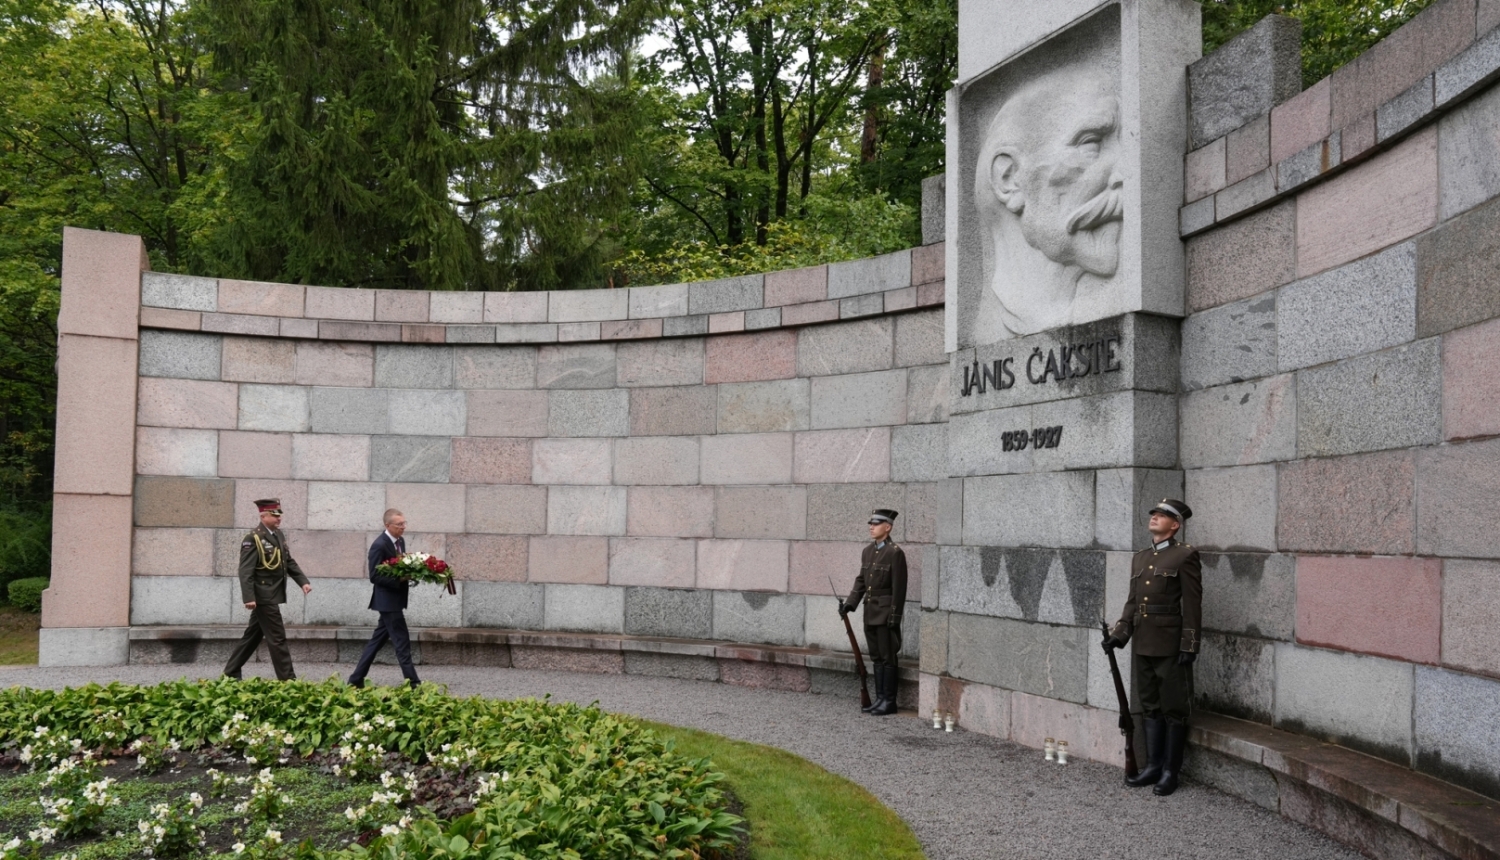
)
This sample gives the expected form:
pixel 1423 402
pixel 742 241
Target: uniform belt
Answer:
pixel 878 594
pixel 1150 609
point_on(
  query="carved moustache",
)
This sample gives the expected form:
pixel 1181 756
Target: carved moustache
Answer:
pixel 1104 208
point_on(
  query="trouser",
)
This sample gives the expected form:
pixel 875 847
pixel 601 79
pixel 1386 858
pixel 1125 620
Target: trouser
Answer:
pixel 392 627
pixel 883 643
pixel 265 623
pixel 1164 688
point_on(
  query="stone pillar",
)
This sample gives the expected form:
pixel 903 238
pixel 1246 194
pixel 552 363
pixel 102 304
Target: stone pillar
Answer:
pixel 86 611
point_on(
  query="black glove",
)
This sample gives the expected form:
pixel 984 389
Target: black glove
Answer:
pixel 1186 658
pixel 844 609
pixel 894 622
pixel 1110 643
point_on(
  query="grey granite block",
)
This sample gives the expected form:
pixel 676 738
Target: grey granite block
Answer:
pixel 526 333
pixel 1248 422
pixel 684 613
pixel 933 208
pixel 976 442
pixel 754 616
pixel 1054 509
pixel 1362 307
pixel 1040 659
pixel 927 394
pixel 1236 508
pixel 1196 217
pixel 1234 776
pixel 1309 163
pixel 180 354
pixel 1360 702
pixel 919 339
pixel 1468 160
pixel 1401 113
pixel 1230 343
pixel 182 292
pixel 428 413
pixel 668 300
pixel 1389 399
pixel 762 318
pixel 586 510
pixel 726 294
pixel 1458 728
pixel 83 646
pixel 584 608
pixel 1251 594
pixel 1245 195
pixel 471 334
pixel 181 599
pixel 274 407
pixel 1246 77
pixel 859 400
pixel 506 605
pixel 1456 265
pixel 430 606
pixel 855 307
pixel 589 413
pixel 349 410
pixel 824 350
pixel 1121 497
pixel 764 407
pixel 413 366
pixel 583 365
pixel 494 366
pixel 421 459
pixel 1236 675
pixel 684 666
pixel 842 511
pixel 919 452
pixel 869 275
pixel 1478 65
pixel 1052 586
pixel 680 326
pixel 344 602
pixel 933 627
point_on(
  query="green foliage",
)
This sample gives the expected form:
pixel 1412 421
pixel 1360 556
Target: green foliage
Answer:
pixel 1333 31
pixel 25 542
pixel 26 594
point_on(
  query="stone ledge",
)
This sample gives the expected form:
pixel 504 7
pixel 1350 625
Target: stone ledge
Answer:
pixel 1454 821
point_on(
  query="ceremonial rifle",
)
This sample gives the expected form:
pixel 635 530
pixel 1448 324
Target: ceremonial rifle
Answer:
pixel 1127 723
pixel 859 660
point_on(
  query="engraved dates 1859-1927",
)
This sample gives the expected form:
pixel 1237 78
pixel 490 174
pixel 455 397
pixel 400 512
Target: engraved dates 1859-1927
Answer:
pixel 1041 437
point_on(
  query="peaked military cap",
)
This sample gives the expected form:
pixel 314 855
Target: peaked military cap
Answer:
pixel 882 515
pixel 268 506
pixel 1174 508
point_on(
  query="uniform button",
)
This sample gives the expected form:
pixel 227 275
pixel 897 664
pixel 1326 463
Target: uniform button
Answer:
pixel 1151 567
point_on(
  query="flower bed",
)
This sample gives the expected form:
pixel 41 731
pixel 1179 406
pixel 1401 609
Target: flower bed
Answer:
pixel 422 775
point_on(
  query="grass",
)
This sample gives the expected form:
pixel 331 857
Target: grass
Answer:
pixel 797 810
pixel 18 636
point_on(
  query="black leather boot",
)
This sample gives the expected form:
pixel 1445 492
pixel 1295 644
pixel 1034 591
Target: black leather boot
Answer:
pixel 888 705
pixel 879 676
pixel 1156 754
pixel 1177 734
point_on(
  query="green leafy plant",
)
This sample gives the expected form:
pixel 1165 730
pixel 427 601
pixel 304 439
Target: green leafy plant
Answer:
pixel 26 594
pixel 172 831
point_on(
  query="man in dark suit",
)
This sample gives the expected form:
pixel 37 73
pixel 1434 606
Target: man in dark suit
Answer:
pixel 389 599
pixel 265 563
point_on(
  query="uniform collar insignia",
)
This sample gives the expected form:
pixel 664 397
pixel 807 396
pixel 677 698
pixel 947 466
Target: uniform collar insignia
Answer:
pixel 1162 545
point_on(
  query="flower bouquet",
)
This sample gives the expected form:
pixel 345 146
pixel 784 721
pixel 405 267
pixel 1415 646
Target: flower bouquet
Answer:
pixel 419 567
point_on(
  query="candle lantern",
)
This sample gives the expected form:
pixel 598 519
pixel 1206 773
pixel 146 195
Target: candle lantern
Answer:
pixel 1062 752
pixel 937 718
pixel 1049 749
pixel 948 722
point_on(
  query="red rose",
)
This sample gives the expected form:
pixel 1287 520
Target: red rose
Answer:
pixel 393 561
pixel 436 565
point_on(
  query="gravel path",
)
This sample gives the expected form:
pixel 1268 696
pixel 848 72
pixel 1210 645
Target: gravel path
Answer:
pixel 967 796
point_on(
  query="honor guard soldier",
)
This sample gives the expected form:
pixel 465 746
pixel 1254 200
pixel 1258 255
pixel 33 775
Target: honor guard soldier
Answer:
pixel 882 584
pixel 1163 614
pixel 265 564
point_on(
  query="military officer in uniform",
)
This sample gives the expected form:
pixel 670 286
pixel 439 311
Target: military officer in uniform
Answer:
pixel 1163 614
pixel 882 584
pixel 265 564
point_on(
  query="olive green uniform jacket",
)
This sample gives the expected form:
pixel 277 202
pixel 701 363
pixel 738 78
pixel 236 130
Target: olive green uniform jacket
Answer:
pixel 1164 611
pixel 882 584
pixel 259 584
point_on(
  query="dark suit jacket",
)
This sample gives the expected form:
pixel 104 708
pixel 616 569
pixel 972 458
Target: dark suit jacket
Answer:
pixel 390 592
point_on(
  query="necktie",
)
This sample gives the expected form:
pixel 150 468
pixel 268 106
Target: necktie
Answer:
pixel 400 545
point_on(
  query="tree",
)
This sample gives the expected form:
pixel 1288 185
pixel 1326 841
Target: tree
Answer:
pixel 1333 31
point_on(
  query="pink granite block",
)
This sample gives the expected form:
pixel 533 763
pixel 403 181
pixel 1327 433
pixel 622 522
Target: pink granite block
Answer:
pixel 429 507
pixel 346 505
pixel 1301 121
pixel 571 461
pixel 424 334
pixel 630 329
pixel 662 460
pixel 340 303
pixel 507 412
pixel 455 307
pixel 166 451
pixel 567 660
pixel 172 319
pixel 293 496
pixel 1471 381
pixel 1357 138
pixel 299 328
pixel 814 312
pixel 927 263
pixel 336 555
pixel 656 562
pixel 1368 208
pixel 185 403
pixel 751 357
pixel 512 509
pixel 726 322
pixel 518 307
pixel 796 286
pixel 765 676
pixel 1203 171
pixel 901 300
pixel 1362 503
pixel 90 562
pixel 172 502
pixel 101 283
pixel 403 306
pixel 932 294
pixel 172 552
pixel 669 362
pixel 255 455
pixel 1458 500
pixel 575 559
pixel 1391 607
pixel 1091 733
pixel 490 461
pixel 743 565
pixel 246 324
pixel 346 365
pixel 577 332
pixel 1247 150
pixel 370 331
pixel 985 709
pixel 247 359
pixel 1471 603
pixel 1487 17
pixel 1433 37
pixel 330 457
pixel 96 410
pixel 670 511
pixel 747 458
pixel 683 410
pixel 261 299
pixel 763 513
pixel 812 562
pixel 842 456
pixel 488 558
